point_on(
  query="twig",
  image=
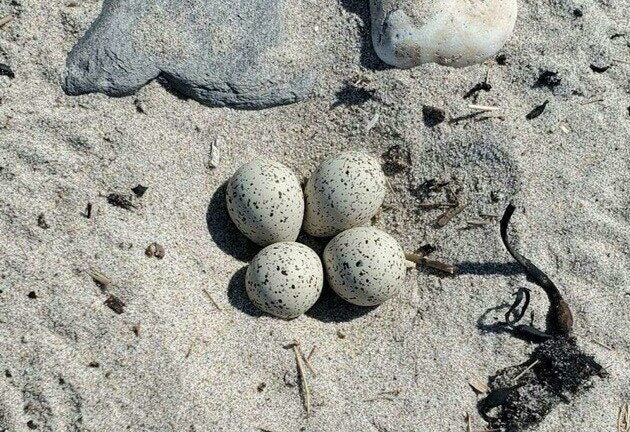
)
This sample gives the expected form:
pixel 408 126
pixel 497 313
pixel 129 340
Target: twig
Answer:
pixel 431 206
pixel 6 20
pixel 450 214
pixel 618 60
pixel 603 345
pixel 305 390
pixel 478 386
pixel 420 260
pixel 306 362
pixel 308 357
pixel 384 395
pixel 190 349
pixel 593 100
pixel 216 305
pixel 527 369
pixel 483 107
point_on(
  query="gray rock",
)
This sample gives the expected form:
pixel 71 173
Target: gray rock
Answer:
pixel 238 53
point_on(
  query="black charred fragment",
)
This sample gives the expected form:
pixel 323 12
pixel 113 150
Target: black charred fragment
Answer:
pixel 396 160
pixel 139 190
pixel 119 200
pixel 548 79
pixel 482 86
pixel 536 112
pixel 599 69
pixel 558 371
pixel 501 59
pixel 432 116
pixel 41 221
pixel 5 70
pixel 115 304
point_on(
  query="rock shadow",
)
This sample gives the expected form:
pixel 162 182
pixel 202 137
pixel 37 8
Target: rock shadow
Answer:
pixel 369 59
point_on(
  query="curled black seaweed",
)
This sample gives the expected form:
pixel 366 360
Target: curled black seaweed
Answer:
pixel 521 396
pixel 559 317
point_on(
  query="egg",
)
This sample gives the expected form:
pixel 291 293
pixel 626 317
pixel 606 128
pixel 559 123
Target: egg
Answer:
pixel 265 201
pixel 345 191
pixel 285 279
pixel 365 266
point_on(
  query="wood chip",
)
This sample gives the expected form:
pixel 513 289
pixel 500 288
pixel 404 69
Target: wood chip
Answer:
pixel 623 418
pixel 372 123
pixel 215 152
pixel 100 278
pixel 478 386
pixel 437 265
pixel 6 20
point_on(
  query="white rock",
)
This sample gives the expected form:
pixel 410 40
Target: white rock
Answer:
pixel 285 279
pixel 407 33
pixel 345 191
pixel 265 201
pixel 365 266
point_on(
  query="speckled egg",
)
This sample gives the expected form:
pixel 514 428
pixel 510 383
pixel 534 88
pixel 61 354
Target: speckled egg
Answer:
pixel 365 266
pixel 345 191
pixel 285 279
pixel 265 201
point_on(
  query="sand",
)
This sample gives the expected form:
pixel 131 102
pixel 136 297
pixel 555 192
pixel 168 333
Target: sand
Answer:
pixel 173 361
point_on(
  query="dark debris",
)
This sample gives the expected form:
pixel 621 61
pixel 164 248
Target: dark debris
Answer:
pixel 537 111
pixel 115 304
pixel 482 86
pixel 119 200
pixel 139 190
pixel 548 79
pixel 432 116
pixel 396 160
pixel 5 70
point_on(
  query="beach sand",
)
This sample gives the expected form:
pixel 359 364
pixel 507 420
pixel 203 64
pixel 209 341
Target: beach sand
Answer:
pixel 174 361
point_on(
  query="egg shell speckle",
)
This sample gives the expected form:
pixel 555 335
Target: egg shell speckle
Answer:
pixel 265 201
pixel 285 279
pixel 345 191
pixel 365 266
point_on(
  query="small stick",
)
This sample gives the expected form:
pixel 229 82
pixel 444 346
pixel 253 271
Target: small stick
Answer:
pixel 189 349
pixel 525 371
pixel 308 357
pixel 618 60
pixel 468 422
pixel 450 214
pixel 306 362
pixel 305 390
pixel 420 260
pixel 483 107
pixel 431 206
pixel 603 345
pixel 6 20
pixel 593 100
pixel 216 305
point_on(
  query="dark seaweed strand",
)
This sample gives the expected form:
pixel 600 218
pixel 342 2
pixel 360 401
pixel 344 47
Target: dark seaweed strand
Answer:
pixel 560 319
